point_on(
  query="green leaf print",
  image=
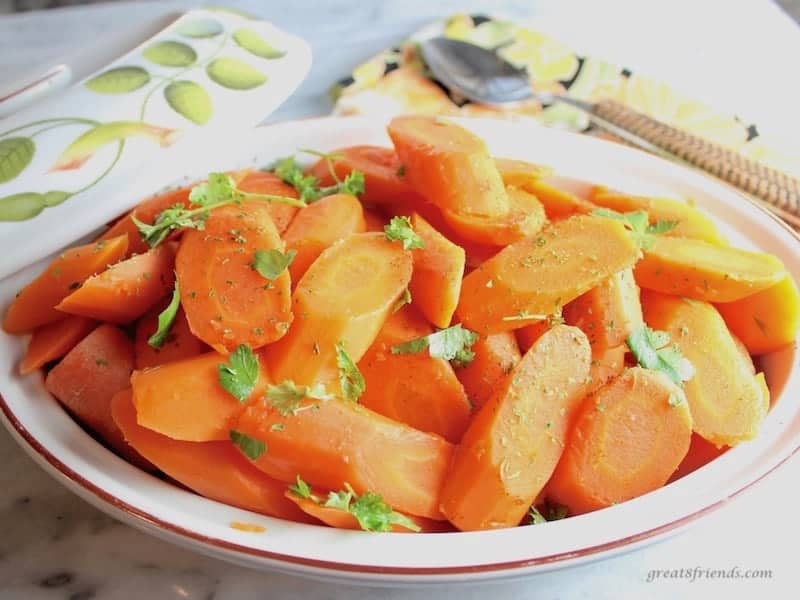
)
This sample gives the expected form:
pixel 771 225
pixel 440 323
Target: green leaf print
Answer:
pixel 189 100
pixel 234 74
pixel 250 40
pixel 200 28
pixel 16 153
pixel 170 54
pixel 120 80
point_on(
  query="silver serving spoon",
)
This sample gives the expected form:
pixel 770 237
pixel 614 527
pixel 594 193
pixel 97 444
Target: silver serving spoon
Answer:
pixel 481 75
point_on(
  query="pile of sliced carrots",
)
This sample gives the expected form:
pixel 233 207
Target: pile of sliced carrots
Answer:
pixel 454 341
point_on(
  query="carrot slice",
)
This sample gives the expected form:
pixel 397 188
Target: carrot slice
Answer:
pixel 495 356
pixel 534 277
pixel 767 320
pixel 692 223
pixel 228 302
pixel 53 341
pixel 342 519
pixel 146 212
pixel 344 297
pixel 438 270
pixel 524 218
pixel 520 173
pixel 608 313
pixel 184 400
pixel 606 365
pixel 726 400
pixel 180 342
pixel 89 375
pixel 126 290
pixel 628 438
pixel 527 335
pixel 448 165
pixel 415 389
pixel 35 305
pixel 384 182
pixel 330 443
pixel 320 225
pixel 558 197
pixel 697 269
pixel 261 182
pixel 216 470
pixel 374 221
pixel 513 444
pixel 701 452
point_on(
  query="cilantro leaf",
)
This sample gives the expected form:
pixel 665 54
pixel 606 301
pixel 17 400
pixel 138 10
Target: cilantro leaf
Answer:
pixel 369 509
pixel 402 301
pixel 271 263
pixel 250 447
pixel 290 172
pixel 637 223
pixel 165 320
pixel 399 230
pixel 652 351
pixel 453 343
pixel 239 375
pixel 350 378
pixel 219 187
pixel 535 517
pixel 286 397
pixel 353 184
pixel 302 489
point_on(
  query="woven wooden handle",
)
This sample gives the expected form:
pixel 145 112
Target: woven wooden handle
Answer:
pixel 779 190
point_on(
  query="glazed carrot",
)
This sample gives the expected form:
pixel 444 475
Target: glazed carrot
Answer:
pixel 520 173
pixel 726 400
pixel 534 277
pixel 146 212
pixel 53 341
pixel 216 470
pixel 320 225
pixel 35 304
pixel 126 290
pixel 384 182
pixel 261 182
pixel 344 297
pixel 89 375
pixel 342 519
pixel 448 165
pixel 701 452
pixel 526 336
pixel 415 388
pixel 627 439
pixel 180 342
pixel 608 313
pixel 495 356
pixel 228 302
pixel 767 320
pixel 524 218
pixel 606 365
pixel 184 400
pixel 342 442
pixel 558 197
pixel 374 221
pixel 692 223
pixel 697 269
pixel 438 270
pixel 513 444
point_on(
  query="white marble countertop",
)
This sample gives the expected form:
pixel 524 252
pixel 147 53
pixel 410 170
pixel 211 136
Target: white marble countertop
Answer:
pixel 55 546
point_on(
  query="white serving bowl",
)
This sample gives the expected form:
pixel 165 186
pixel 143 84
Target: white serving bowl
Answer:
pixel 62 448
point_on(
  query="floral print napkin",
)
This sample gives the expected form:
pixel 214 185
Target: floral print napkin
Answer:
pixel 397 81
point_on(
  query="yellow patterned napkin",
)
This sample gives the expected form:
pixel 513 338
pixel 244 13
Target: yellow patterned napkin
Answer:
pixel 397 81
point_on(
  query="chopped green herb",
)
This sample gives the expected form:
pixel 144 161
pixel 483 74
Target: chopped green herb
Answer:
pixel 399 230
pixel 350 378
pixel 652 350
pixel 637 223
pixel 535 517
pixel 165 319
pixel 250 447
pixel 286 397
pixel 307 186
pixel 239 375
pixel 277 427
pixel 101 362
pixel 404 299
pixel 453 343
pixel 271 263
pixel 369 509
pixel 302 490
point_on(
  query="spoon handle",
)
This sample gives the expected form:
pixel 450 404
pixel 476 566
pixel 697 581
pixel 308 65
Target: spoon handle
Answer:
pixel 779 190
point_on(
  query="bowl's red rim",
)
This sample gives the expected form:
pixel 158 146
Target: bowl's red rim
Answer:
pixel 145 517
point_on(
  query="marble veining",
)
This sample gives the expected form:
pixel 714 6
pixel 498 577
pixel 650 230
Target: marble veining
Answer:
pixel 53 545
